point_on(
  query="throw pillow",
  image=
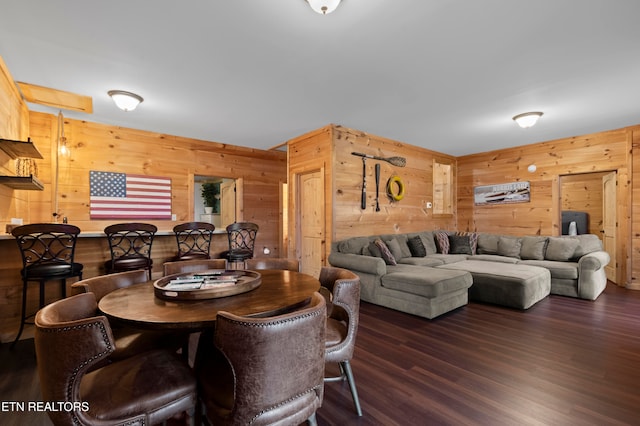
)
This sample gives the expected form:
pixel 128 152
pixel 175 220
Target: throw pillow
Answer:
pixel 374 250
pixel 394 248
pixel 385 252
pixel 416 247
pixel 533 248
pixel 561 249
pixel 473 240
pixel 459 244
pixel 509 247
pixel 442 241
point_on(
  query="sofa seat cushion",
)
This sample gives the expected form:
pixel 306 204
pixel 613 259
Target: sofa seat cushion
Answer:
pixel 448 258
pixel 563 270
pixel 494 258
pixel 421 261
pixel 515 285
pixel 426 282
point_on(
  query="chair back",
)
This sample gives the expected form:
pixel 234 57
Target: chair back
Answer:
pixel 47 249
pixel 272 263
pixel 130 239
pixel 184 266
pixel 242 239
pixel 344 286
pixel 194 240
pixel 70 338
pixel 102 285
pixel 264 370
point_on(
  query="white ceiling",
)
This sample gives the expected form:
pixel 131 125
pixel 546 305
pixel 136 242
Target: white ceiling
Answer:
pixel 447 75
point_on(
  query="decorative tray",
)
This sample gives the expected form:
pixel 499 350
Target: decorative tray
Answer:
pixel 209 284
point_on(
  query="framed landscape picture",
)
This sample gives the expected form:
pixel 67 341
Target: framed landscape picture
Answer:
pixel 504 193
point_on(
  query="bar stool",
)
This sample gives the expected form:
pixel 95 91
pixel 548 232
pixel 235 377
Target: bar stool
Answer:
pixel 47 251
pixel 130 246
pixel 194 240
pixel 242 239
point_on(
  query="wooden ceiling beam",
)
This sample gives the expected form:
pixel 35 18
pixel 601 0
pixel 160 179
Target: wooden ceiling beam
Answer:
pixel 55 98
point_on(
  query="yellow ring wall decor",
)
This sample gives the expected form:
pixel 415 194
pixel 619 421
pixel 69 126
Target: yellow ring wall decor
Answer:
pixel 395 183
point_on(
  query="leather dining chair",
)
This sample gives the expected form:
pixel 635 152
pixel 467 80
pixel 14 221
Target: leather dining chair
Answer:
pixel 185 266
pixel 242 239
pixel 48 252
pixel 129 341
pixel 263 370
pixel 130 246
pixel 272 263
pixel 72 338
pixel 193 240
pixel 343 287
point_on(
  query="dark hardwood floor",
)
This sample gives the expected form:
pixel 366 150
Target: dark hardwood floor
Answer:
pixel 563 362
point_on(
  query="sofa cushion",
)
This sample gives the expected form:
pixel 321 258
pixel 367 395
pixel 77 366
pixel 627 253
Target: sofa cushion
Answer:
pixel 442 241
pixel 385 253
pixel 509 246
pixel 421 261
pixel 493 258
pixel 473 239
pixel 588 243
pixel 533 248
pixel 448 258
pixel 428 241
pixel 561 249
pixel 459 244
pixel 563 270
pixel 353 245
pixel 488 243
pixel 427 283
pixel 416 246
pixel 394 248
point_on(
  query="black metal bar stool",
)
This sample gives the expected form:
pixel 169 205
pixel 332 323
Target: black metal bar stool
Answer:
pixel 242 239
pixel 47 251
pixel 130 247
pixel 194 240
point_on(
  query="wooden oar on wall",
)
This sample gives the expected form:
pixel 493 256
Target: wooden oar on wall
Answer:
pixel 396 161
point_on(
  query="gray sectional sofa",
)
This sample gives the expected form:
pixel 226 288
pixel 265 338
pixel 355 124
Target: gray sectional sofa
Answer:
pixel 432 272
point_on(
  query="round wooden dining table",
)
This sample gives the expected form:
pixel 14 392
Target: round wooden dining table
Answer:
pixel 279 292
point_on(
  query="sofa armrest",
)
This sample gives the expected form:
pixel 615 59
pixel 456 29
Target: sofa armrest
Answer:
pixel 357 262
pixel 593 261
pixel 592 279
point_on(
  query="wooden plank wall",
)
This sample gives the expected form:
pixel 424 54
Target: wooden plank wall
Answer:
pixel 635 214
pixel 14 125
pixel 599 152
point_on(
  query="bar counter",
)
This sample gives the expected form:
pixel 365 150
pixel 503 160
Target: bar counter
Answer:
pixel 92 250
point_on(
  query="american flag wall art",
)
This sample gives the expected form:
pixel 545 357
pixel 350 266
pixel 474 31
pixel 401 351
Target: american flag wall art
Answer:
pixel 126 196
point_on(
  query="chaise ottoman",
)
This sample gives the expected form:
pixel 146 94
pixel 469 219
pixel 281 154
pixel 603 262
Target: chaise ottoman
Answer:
pixel 515 285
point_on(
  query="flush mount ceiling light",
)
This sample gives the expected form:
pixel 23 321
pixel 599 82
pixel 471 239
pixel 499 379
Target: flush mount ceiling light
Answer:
pixel 527 119
pixel 323 6
pixel 126 101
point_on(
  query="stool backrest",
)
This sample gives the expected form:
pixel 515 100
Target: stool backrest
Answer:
pixel 130 239
pixel 48 244
pixel 193 239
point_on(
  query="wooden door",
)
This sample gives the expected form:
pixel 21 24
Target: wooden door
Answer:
pixel 609 222
pixel 227 203
pixel 311 223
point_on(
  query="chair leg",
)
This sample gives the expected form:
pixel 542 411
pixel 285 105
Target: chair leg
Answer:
pixel 346 366
pixel 312 420
pixel 24 313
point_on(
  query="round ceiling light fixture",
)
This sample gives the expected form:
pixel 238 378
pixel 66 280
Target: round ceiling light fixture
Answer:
pixel 323 6
pixel 126 101
pixel 527 119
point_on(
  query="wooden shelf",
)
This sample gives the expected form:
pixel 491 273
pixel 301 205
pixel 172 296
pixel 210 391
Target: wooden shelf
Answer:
pixel 22 182
pixel 16 149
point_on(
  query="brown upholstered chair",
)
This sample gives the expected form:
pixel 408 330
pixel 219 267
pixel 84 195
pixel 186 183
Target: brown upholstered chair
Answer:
pixel 263 370
pixel 47 251
pixel 342 322
pixel 130 246
pixel 194 240
pixel 185 266
pixel 129 341
pixel 71 338
pixel 272 263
